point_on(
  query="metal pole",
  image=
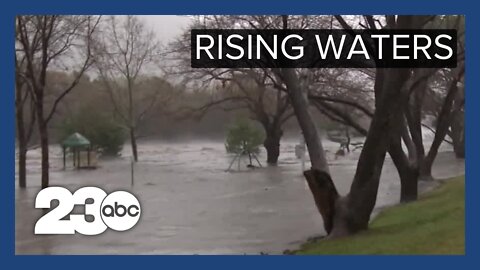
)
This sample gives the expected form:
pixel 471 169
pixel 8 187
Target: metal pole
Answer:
pixel 255 156
pixel 231 163
pixel 239 158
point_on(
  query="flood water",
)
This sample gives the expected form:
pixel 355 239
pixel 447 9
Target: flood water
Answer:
pixel 191 205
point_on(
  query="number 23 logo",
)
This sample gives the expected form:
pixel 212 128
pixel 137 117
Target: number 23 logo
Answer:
pixel 101 210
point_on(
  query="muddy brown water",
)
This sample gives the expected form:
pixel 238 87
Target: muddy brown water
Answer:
pixel 190 205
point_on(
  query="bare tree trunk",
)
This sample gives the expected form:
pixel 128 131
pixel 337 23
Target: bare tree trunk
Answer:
pixel 305 120
pixel 409 183
pixel 272 144
pixel 43 132
pixel 22 143
pixel 353 212
pixel 414 119
pixel 318 178
pixel 425 170
pixel 133 142
pixel 325 195
pixel 22 163
pixel 414 114
pixel 23 133
pixel 347 215
pixel 411 147
pixel 407 172
pixel 407 166
pixel 457 126
pixel 458 134
pixel 443 123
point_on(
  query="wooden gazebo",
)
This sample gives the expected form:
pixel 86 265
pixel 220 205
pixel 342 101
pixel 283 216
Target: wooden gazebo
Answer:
pixel 77 144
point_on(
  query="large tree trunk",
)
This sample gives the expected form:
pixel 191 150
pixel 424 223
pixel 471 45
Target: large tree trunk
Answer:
pixel 407 171
pixel 353 212
pixel 133 142
pixel 407 166
pixel 305 120
pixel 425 170
pixel 325 195
pixel 272 145
pixel 409 183
pixel 414 114
pixel 318 178
pixel 350 214
pixel 443 123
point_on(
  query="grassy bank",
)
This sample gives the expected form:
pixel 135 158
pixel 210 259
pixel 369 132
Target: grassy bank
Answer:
pixel 435 224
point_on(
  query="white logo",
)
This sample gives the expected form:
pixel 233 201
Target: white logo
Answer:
pixel 118 211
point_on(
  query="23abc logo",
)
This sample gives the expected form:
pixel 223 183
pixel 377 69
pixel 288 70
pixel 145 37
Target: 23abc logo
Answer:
pixel 119 211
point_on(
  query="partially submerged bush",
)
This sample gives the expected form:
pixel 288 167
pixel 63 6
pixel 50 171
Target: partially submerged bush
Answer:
pixel 104 133
pixel 244 138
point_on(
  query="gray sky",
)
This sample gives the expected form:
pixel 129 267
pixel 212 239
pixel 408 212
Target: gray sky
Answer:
pixel 167 27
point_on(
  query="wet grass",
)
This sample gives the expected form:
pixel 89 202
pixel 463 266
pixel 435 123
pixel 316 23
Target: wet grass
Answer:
pixel 435 224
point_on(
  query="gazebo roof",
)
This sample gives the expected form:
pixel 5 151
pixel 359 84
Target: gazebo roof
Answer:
pixel 75 140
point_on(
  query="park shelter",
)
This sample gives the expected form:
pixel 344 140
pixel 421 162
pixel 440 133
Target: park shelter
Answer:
pixel 80 147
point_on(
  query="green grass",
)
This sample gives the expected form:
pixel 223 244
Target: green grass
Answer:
pixel 435 224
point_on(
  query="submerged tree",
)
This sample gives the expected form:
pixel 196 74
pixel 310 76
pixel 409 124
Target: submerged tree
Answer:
pixel 122 57
pixel 243 138
pixel 386 108
pixel 350 214
pixel 25 117
pixel 256 90
pixel 44 43
pixel 413 165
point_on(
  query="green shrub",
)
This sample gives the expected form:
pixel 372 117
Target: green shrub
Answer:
pixel 103 132
pixel 244 138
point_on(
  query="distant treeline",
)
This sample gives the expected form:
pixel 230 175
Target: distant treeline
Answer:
pixel 173 117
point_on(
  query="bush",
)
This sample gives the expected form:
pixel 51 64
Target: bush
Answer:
pixel 103 132
pixel 244 138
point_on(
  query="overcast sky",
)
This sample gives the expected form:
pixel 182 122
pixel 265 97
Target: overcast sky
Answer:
pixel 167 27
